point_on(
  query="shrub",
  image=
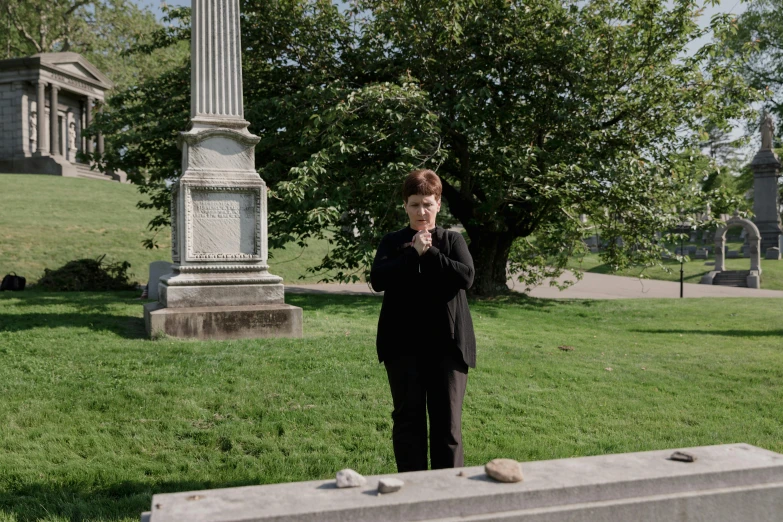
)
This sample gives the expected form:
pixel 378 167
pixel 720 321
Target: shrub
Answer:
pixel 87 275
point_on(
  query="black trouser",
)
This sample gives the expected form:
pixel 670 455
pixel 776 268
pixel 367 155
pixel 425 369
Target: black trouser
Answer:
pixel 421 385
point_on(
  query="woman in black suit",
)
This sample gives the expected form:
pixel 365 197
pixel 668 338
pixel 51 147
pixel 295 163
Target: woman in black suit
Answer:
pixel 425 333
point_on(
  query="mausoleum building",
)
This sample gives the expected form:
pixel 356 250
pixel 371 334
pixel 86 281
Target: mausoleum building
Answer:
pixel 46 101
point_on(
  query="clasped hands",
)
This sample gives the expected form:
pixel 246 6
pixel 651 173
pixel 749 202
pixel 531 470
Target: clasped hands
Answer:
pixel 422 241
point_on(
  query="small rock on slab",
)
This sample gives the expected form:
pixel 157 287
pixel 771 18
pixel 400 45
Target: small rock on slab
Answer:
pixel 681 456
pixel 348 478
pixel 504 470
pixel 390 485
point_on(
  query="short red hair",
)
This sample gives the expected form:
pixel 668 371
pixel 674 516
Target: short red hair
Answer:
pixel 422 182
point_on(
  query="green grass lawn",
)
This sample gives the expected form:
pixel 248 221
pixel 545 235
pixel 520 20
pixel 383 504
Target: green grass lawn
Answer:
pixel 46 221
pixel 96 418
pixel 693 270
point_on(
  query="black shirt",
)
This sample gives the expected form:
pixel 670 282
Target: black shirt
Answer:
pixel 424 305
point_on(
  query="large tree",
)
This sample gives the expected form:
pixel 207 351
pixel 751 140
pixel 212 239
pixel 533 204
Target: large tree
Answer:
pixel 533 113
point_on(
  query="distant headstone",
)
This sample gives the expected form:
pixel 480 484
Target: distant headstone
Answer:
pixel 773 253
pixel 732 254
pixel 701 253
pixel 157 269
pixel 766 200
pixel 692 250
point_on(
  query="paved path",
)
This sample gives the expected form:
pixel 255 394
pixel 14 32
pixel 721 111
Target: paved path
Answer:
pixel 592 286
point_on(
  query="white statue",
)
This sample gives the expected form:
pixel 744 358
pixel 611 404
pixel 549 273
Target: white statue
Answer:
pixel 767 130
pixel 34 127
pixel 72 136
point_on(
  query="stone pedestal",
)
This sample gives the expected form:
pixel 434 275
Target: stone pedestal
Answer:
pixel 766 200
pixel 224 322
pixel 220 286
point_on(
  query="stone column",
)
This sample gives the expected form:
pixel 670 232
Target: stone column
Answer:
pixel 220 286
pixel 88 109
pixel 54 128
pixel 720 249
pixel 99 138
pixel 42 150
pixel 216 70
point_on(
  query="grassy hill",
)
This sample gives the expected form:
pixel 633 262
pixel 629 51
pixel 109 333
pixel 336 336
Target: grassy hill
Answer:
pixel 46 221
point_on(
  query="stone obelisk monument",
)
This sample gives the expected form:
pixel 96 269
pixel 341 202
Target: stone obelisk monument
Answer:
pixel 766 198
pixel 220 286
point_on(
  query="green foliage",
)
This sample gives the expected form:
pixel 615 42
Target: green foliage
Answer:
pixel 532 114
pixel 759 30
pixel 87 275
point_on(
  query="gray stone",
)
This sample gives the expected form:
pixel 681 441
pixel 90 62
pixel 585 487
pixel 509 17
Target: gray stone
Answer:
pixel 773 253
pixel 692 250
pixel 390 485
pixel 223 322
pixel 157 270
pixel 348 478
pixel 708 278
pixel 701 253
pixel 732 254
pixel 220 295
pixel 729 483
pixel 504 470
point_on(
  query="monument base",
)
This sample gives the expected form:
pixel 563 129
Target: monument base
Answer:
pixel 220 295
pixel 224 322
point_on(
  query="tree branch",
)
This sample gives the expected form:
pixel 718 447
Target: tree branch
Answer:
pixel 19 27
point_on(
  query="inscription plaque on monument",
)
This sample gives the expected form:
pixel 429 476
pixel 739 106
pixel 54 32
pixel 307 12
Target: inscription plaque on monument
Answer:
pixel 224 225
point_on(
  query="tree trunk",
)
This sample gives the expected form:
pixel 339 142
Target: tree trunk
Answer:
pixel 490 256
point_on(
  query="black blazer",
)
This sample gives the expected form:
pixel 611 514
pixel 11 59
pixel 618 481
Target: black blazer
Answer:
pixel 445 269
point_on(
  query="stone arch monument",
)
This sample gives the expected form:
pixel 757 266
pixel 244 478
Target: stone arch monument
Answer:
pixel 720 276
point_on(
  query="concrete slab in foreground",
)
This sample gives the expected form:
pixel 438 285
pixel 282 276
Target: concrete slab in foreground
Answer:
pixel 730 483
